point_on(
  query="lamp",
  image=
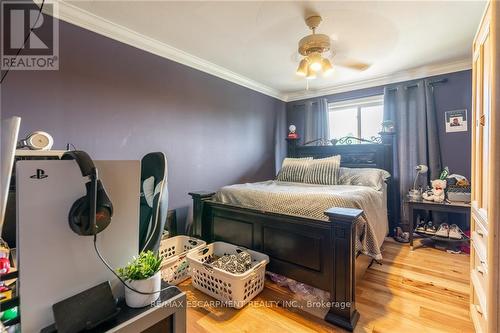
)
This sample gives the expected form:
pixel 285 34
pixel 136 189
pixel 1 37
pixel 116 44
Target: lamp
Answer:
pixel 312 64
pixel 414 193
pixel 315 61
pixel 327 67
pixel 303 67
pixel 315 49
pixel 310 73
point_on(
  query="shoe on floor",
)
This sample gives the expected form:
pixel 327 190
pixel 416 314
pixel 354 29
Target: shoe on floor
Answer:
pixel 455 232
pixel 400 236
pixel 443 231
pixel 430 228
pixel 421 227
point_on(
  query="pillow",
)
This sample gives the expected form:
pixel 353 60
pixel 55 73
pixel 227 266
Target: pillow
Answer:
pixel 293 169
pixel 323 171
pixel 371 177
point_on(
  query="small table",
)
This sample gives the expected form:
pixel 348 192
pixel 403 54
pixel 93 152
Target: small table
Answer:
pixel 167 315
pixel 446 207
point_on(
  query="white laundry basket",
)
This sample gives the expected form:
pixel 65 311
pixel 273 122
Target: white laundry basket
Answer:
pixel 234 290
pixel 174 268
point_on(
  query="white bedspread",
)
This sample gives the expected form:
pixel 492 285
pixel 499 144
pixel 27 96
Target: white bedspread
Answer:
pixel 310 200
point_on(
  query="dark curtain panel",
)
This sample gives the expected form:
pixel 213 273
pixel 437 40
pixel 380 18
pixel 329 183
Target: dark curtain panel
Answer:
pixel 316 120
pixel 280 133
pixel 412 108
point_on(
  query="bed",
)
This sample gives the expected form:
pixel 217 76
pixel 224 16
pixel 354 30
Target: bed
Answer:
pixel 311 200
pixel 310 247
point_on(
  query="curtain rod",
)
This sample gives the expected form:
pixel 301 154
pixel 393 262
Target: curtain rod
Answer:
pixel 444 80
pixel 439 81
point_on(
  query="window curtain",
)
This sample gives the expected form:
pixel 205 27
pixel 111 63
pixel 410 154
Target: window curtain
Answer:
pixel 412 109
pixel 280 133
pixel 316 120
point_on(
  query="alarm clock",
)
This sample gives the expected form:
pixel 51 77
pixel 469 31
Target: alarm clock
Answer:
pixel 37 141
pixel 292 132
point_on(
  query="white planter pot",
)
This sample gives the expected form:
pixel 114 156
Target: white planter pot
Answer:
pixel 136 300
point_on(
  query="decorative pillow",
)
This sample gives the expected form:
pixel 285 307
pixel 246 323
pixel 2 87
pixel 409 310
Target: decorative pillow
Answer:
pixel 293 169
pixel 323 171
pixel 371 177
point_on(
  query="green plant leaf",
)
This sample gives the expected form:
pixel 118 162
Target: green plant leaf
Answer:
pixel 142 267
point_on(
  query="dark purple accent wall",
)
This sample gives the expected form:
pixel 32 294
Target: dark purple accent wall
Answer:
pixel 118 102
pixel 455 93
pixel 455 147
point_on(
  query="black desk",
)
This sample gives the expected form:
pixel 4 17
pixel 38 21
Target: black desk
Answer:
pixel 168 315
pixel 445 207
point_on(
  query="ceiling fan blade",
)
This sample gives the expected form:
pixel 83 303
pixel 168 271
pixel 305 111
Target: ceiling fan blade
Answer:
pixel 339 55
pixel 354 65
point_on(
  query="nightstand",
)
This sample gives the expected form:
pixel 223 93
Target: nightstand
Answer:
pixel 445 207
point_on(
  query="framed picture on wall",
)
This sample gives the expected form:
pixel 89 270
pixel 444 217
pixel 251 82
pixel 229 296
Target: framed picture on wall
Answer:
pixel 456 121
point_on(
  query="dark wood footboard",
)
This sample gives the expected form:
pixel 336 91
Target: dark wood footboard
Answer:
pixel 315 252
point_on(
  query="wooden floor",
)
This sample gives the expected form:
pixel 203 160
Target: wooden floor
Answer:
pixel 426 290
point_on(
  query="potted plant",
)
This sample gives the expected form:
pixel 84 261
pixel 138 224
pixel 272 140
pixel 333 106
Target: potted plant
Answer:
pixel 142 274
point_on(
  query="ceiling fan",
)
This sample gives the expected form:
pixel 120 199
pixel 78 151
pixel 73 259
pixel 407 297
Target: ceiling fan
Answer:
pixel 317 54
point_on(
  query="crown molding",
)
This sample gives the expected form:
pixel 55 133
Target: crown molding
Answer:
pixel 82 18
pixel 408 75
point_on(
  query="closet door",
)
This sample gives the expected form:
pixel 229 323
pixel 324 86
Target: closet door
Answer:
pixel 480 118
pixel 485 180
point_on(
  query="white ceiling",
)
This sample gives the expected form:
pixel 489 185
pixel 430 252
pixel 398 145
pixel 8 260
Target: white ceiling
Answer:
pixel 256 41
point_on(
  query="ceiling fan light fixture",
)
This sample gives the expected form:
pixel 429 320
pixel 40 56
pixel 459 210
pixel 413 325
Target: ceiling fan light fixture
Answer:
pixel 315 61
pixel 303 68
pixel 327 67
pixel 310 73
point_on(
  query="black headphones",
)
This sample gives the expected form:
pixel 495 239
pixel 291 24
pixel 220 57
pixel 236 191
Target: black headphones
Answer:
pixel 92 213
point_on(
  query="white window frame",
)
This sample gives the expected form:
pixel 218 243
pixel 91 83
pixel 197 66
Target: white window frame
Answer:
pixel 357 103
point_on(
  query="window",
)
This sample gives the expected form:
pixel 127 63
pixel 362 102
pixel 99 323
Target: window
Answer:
pixel 360 118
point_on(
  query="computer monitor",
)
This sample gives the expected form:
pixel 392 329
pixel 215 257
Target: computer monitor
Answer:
pixel 9 134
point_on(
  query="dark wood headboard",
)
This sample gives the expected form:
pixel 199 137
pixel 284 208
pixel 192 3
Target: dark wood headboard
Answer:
pixel 373 154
